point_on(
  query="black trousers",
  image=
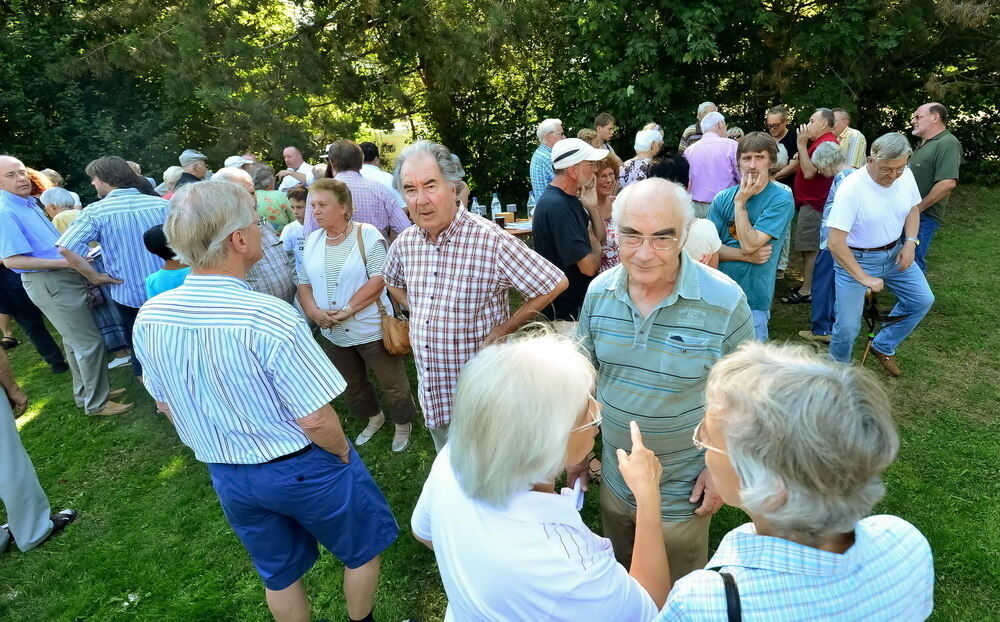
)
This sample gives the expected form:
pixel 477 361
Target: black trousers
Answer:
pixel 128 321
pixel 14 302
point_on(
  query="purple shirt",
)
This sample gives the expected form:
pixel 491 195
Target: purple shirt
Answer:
pixel 374 204
pixel 713 166
pixel 25 230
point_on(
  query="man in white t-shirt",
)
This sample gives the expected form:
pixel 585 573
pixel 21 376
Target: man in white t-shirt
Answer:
pixel 871 211
pixel 298 172
pixel 371 169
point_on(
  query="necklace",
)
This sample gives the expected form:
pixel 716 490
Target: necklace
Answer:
pixel 330 238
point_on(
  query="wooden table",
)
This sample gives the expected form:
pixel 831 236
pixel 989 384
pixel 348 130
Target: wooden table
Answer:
pixel 517 232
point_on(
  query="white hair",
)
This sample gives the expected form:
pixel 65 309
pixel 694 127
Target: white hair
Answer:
pixel 890 147
pixel 76 200
pixel 827 155
pixel 59 197
pixel 703 108
pixel 673 192
pixel 644 139
pixel 202 217
pixel 808 437
pixel 547 127
pixel 710 120
pixel 172 174
pixel 515 406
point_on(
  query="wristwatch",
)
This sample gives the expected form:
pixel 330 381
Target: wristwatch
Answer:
pixel 916 241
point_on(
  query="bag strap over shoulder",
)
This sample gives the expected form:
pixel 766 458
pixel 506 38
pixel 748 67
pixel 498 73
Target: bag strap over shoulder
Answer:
pixel 364 262
pixel 734 611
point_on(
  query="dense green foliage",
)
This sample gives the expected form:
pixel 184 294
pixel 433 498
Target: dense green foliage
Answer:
pixel 146 79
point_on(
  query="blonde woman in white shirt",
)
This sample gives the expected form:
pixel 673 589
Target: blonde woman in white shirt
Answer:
pixel 338 290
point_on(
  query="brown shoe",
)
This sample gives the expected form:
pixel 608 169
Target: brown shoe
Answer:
pixel 116 393
pixel 111 408
pixel 889 363
pixel 811 336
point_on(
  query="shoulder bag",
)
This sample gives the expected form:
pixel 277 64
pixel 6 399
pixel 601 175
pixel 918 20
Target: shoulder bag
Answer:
pixel 395 327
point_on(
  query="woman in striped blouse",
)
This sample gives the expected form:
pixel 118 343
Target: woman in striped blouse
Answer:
pixel 338 290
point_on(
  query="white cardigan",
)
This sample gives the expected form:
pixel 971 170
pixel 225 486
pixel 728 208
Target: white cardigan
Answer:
pixel 365 323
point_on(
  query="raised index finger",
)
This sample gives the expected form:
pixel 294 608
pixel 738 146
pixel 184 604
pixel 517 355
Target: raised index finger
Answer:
pixel 636 436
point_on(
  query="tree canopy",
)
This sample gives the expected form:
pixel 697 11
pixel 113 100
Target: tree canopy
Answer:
pixel 147 79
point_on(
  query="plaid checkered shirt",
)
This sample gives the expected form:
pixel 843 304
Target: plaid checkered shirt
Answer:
pixel 274 274
pixel 457 289
pixel 373 203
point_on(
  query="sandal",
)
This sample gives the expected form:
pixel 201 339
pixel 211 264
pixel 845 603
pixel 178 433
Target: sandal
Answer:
pixel 796 298
pixel 8 343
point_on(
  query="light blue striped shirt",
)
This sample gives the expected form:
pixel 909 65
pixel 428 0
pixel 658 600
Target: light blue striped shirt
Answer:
pixel 540 170
pixel 117 222
pixel 236 367
pixel 886 575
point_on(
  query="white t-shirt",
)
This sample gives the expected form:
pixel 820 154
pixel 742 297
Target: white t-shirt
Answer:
pixel 291 235
pixel 703 239
pixel 288 182
pixel 534 560
pixel 872 215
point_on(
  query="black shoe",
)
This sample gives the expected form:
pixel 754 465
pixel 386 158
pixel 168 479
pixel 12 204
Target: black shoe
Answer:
pixel 10 540
pixel 59 368
pixel 60 520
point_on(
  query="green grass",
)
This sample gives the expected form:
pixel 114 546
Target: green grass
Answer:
pixel 152 544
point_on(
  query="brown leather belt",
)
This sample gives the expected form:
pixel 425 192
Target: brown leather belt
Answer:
pixel 869 250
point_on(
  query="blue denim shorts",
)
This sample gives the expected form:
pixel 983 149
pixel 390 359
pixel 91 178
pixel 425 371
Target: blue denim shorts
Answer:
pixel 280 511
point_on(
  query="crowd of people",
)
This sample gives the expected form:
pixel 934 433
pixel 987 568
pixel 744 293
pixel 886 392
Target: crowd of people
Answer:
pixel 247 300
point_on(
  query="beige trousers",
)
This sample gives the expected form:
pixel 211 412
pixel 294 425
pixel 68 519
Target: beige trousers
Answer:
pixel 686 542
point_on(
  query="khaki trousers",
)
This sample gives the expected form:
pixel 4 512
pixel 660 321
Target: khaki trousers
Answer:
pixel 686 542
pixel 62 297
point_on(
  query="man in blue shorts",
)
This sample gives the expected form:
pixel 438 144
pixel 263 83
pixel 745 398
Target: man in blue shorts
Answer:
pixel 249 390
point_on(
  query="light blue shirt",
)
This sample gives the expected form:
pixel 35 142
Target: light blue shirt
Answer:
pixel 653 369
pixel 117 222
pixel 25 230
pixel 236 367
pixel 165 280
pixel 886 575
pixel 824 230
pixel 541 170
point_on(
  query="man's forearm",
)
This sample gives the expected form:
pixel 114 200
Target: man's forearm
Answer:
pixel 728 253
pixel 789 169
pixel 79 264
pixel 749 237
pixel 911 227
pixel 808 168
pixel 843 255
pixel 939 191
pixel 323 428
pixel 399 295
pixel 533 306
pixel 23 262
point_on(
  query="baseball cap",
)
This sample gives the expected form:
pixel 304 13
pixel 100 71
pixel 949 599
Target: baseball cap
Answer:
pixel 190 156
pixel 570 151
pixel 644 139
pixel 236 161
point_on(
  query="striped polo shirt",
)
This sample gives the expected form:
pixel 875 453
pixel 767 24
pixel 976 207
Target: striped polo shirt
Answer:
pixel 117 222
pixel 653 369
pixel 236 367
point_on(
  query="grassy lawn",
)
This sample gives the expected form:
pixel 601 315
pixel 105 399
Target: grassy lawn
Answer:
pixel 151 542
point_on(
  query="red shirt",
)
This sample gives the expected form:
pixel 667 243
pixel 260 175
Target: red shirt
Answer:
pixel 813 192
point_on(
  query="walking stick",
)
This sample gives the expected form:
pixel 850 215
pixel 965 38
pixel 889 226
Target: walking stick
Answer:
pixel 871 316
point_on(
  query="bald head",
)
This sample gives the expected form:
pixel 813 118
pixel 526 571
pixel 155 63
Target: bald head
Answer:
pixel 14 177
pixel 654 195
pixel 293 157
pixel 236 176
pixel 653 217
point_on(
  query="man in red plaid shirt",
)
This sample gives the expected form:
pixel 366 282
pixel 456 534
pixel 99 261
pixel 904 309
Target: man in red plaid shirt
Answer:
pixel 453 271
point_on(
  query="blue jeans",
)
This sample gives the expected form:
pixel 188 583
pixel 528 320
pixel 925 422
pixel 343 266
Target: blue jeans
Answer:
pixel 760 319
pixel 928 227
pixel 913 299
pixel 823 294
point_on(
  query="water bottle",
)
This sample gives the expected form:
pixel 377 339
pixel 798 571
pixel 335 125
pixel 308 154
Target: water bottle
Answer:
pixel 495 207
pixel 531 205
pixel 476 208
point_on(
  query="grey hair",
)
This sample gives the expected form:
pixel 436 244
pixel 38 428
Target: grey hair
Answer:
pixel 890 147
pixel 504 441
pixel 172 174
pixel 262 175
pixel 202 216
pixel 547 127
pixel 710 120
pixel 236 176
pixel 60 197
pixel 450 171
pixel 663 187
pixel 809 438
pixel 703 108
pixel 827 155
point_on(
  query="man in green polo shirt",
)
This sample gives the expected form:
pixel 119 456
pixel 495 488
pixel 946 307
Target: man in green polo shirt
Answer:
pixel 935 164
pixel 654 326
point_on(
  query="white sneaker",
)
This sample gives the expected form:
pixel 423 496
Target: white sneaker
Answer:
pixel 401 440
pixel 122 362
pixel 374 425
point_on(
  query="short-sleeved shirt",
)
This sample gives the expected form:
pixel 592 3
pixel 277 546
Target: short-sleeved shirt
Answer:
pixel 824 228
pixel 561 236
pixel 540 170
pixel 689 136
pixel 535 559
pixel 25 230
pixel 236 367
pixel 165 280
pixel 457 287
pixel 633 170
pixel 117 222
pixel 274 273
pixel 273 206
pixel 791 144
pixel 653 369
pixel 373 203
pixel 853 145
pixel 938 158
pixel 813 192
pixel 769 212
pixel 288 182
pixel 872 215
pixel 887 575
pixel 64 219
pixel 713 166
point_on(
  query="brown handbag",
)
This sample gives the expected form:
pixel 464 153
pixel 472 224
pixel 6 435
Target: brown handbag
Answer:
pixel 395 327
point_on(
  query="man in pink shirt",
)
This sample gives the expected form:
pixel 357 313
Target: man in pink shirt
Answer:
pixel 713 163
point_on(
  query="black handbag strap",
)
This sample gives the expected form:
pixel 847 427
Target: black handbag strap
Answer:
pixel 734 610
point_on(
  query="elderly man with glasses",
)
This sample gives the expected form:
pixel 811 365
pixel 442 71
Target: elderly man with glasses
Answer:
pixel 655 325
pixel 550 131
pixel 935 165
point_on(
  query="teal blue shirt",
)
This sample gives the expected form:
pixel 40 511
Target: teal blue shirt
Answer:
pixel 165 280
pixel 770 211
pixel 653 369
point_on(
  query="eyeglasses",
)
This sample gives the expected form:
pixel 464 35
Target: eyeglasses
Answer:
pixel 773 126
pixel 917 117
pixel 700 446
pixel 658 242
pixel 595 421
